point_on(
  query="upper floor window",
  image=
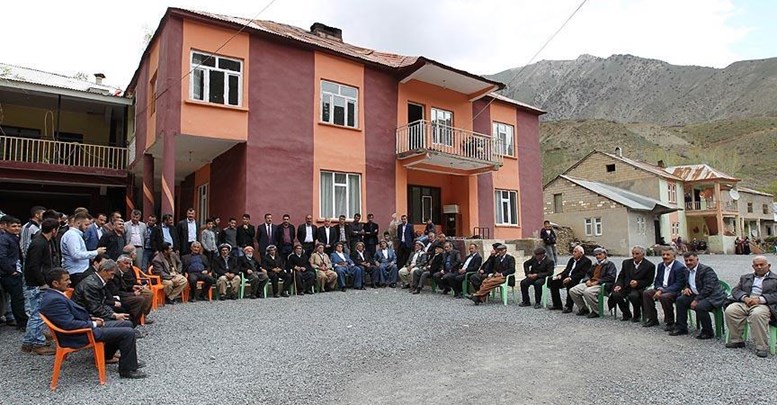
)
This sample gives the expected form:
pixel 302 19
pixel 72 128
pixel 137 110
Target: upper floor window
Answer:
pixel 216 79
pixel 749 207
pixel 672 193
pixel 504 134
pixel 506 207
pixel 339 104
pixel 442 124
pixel 765 208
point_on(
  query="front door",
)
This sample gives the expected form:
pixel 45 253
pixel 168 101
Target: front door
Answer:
pixel 415 127
pixel 423 203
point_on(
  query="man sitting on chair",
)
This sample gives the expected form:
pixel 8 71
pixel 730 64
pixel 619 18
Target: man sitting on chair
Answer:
pixel 276 271
pixel 251 270
pixel 344 266
pixel 362 258
pixel 298 264
pixel 415 260
pixel 755 303
pixel 587 292
pixel 226 271
pixel 196 267
pixel 537 270
pixel 576 268
pixel 503 266
pixel 636 274
pixel 432 266
pixel 169 267
pixel 671 275
pixel 68 315
pixel 91 293
pixel 323 266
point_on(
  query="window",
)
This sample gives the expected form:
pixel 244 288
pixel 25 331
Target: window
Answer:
pixel 765 208
pixel 557 203
pixel 152 94
pixel 339 104
pixel 202 203
pixel 593 226
pixel 749 207
pixel 504 134
pixel 672 188
pixel 506 207
pixel 641 227
pixel 610 168
pixel 675 228
pixel 442 126
pixel 216 79
pixel 341 194
pixel 423 202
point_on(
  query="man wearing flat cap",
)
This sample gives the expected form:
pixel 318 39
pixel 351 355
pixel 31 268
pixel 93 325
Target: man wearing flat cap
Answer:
pixel 587 292
pixel 477 278
pixel 537 270
pixel 503 265
pixel 227 273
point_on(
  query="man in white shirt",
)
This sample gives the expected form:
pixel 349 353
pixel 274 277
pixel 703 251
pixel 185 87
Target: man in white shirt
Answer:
pixel 187 229
pixel 135 235
pixel 415 260
pixel 755 303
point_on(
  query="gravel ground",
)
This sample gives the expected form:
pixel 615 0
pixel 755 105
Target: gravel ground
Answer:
pixel 387 346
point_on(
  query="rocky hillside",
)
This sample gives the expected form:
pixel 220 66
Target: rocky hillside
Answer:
pixel 627 88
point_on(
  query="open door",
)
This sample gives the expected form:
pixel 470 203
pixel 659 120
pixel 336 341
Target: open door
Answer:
pixel 415 127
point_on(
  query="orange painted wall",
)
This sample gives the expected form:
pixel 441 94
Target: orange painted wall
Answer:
pixel 453 190
pixel 336 148
pixel 506 178
pixel 153 64
pixel 212 120
pixel 201 176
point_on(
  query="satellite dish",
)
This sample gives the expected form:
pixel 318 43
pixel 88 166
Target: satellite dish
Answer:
pixel 734 194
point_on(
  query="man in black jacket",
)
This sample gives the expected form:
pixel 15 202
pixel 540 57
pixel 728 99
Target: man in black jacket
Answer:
pixel 755 303
pixel 471 264
pixel 433 265
pixel 307 234
pixel 251 270
pixel 125 286
pixel 39 262
pixel 246 234
pixel 343 232
pixel 327 236
pixel 196 267
pixel 451 263
pixel 91 294
pixel 577 266
pixel 188 230
pixel 164 233
pixel 284 237
pixel 298 264
pixel 503 266
pixel 227 273
pixel 702 293
pixel 370 235
pixel 113 240
pixel 537 270
pixel 636 274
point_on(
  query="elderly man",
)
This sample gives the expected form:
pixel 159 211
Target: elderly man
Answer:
pixel 636 274
pixel 421 273
pixel 577 267
pixel 671 276
pixel 602 273
pixel 131 294
pixel 196 267
pixel 322 264
pixel 251 270
pixel 387 265
pixel 92 294
pixel 451 263
pixel 298 263
pixel 362 258
pixel 471 265
pixel 415 260
pixel 755 302
pixel 168 266
pixel 226 271
pixel 344 266
pixel 274 266
pixel 702 293
pixel 477 279
pixel 537 270
pixel 113 240
pixel 503 266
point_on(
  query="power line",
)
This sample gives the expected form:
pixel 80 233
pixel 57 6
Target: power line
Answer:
pixel 209 57
pixel 536 53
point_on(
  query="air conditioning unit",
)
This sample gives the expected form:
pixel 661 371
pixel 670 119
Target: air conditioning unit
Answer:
pixel 450 209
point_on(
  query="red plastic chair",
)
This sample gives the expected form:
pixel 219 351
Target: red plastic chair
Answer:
pixel 200 284
pixel 62 352
pixel 154 283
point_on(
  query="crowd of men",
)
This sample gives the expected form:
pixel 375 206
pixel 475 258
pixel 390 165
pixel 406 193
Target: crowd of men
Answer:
pixel 103 262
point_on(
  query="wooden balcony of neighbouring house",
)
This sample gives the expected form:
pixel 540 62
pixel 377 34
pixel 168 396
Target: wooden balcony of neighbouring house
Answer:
pixel 429 146
pixel 710 206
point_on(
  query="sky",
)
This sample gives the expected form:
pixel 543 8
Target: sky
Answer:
pixel 480 36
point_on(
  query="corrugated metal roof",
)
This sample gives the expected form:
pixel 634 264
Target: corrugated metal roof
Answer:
pixel 699 172
pixel 22 74
pixel 623 197
pixel 751 191
pixel 657 170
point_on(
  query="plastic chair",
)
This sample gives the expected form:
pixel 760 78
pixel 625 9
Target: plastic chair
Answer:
pixel 154 283
pixel 503 288
pixel 62 352
pixel 465 283
pixel 546 287
pixel 200 285
pixel 601 301
pixel 746 334
pixel 720 324
pixel 243 284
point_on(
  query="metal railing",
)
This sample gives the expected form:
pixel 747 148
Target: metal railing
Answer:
pixel 710 205
pixel 420 136
pixel 44 151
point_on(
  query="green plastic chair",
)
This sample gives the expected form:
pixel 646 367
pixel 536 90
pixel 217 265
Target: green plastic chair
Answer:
pixel 746 334
pixel 601 300
pixel 244 283
pixel 546 287
pixel 720 324
pixel 465 283
pixel 503 288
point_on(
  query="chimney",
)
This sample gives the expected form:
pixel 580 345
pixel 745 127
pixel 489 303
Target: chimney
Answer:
pixel 661 164
pixel 618 151
pixel 98 78
pixel 325 31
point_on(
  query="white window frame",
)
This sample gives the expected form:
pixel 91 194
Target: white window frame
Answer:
pixel 195 67
pixel 509 213
pixel 641 225
pixel 442 127
pixel 598 231
pixel 672 193
pixel 331 97
pixel 335 185
pixel 589 227
pixel 506 134
pixel 203 196
pixel 675 228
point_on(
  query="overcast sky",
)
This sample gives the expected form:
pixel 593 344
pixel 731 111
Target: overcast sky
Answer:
pixel 480 36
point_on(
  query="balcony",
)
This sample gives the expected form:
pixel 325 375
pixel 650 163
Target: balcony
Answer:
pixel 44 154
pixel 711 205
pixel 424 145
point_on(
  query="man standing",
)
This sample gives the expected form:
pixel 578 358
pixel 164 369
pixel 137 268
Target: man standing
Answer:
pixel 164 233
pixel 671 277
pixel 503 266
pixel 307 235
pixel 548 236
pixel 405 240
pixel 39 262
pixel 537 270
pixel 93 234
pixel 285 237
pixel 602 273
pixel 135 235
pixel 75 256
pixel 148 249
pixel 188 229
pixel 636 274
pixel 702 293
pixel 755 302
pixel 357 231
pixel 266 235
pixel 196 267
pixel 229 236
pixel 577 267
pixel 31 228
pixel 168 266
pixel 246 234
pixel 113 240
pixel 327 236
pixel 343 232
pixel 370 235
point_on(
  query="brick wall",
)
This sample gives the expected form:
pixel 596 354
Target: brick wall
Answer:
pixel 625 176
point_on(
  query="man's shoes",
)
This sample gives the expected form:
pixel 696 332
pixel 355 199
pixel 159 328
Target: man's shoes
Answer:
pixel 253 296
pixel 373 285
pixel 275 295
pixel 566 310
pixel 678 332
pixel 669 327
pixel 112 360
pixel 43 350
pixel 22 328
pixel 141 364
pixel 555 308
pixel 27 347
pixel 134 374
pixel 705 336
pixel 592 315
pixel 735 345
pixel 300 293
pixel 762 353
pixel 458 295
pixel 10 322
pixel 417 291
pixel 650 323
pixel 583 311
pixel 538 306
pixel 193 299
pixel 222 297
pixel 168 301
pixel 233 296
pixel 139 334
pixel 474 299
pixel 524 304
pixel 635 319
pixel 392 285
pixel 626 317
pixel 285 294
pixel 342 289
pixel 445 291
pixel 406 286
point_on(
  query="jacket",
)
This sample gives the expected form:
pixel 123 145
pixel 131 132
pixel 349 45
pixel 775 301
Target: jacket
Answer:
pixel 298 261
pixel 128 232
pixel 68 315
pixel 91 237
pixel 607 276
pixel 473 264
pixel 322 232
pixel 157 238
pixel 245 235
pixel 455 261
pixel 245 263
pixel 678 276
pixel 422 260
pixel 39 261
pixel 113 243
pixel 91 294
pixel 302 233
pixel 580 270
pixel 542 269
pixel 279 236
pixel 182 229
pixel 708 286
pixel 643 275
pixel 407 230
pixel 162 265
pixel 269 263
pixel 319 261
pixel 10 253
pixel 262 239
pixel 122 284
pixel 221 267
pixel 347 240
pixel 390 257
pixel 336 260
pixel 370 233
pixel 768 291
pixel 186 262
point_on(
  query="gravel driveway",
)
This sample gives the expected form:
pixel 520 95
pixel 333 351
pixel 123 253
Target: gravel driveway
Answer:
pixel 387 346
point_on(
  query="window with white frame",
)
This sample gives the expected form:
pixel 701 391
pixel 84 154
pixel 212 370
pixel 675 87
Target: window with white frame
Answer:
pixel 506 207
pixel 672 188
pixel 442 126
pixel 675 228
pixel 641 226
pixel 341 194
pixel 504 134
pixel 216 79
pixel 339 104
pixel 589 226
pixel 593 226
pixel 598 226
pixel 202 203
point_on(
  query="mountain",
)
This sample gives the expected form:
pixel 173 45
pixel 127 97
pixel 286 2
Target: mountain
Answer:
pixel 626 88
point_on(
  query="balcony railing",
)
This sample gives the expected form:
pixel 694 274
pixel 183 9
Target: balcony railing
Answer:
pixel 423 136
pixel 705 205
pixel 43 151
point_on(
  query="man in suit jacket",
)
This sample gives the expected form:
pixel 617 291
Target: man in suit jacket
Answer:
pixel 577 266
pixel 451 263
pixel 357 231
pixel 196 267
pixel 226 271
pixel 370 235
pixel 537 270
pixel 471 264
pixel 327 237
pixel 343 232
pixel 601 274
pixel 164 233
pixel 94 232
pixel 133 298
pixel 68 315
pixel 702 293
pixel 168 266
pixel 755 302
pixel 671 276
pixel 307 235
pixel 405 235
pixel 266 234
pixel 285 237
pixel 362 258
pixel 188 230
pixel 344 267
pixel 113 240
pixel 386 260
pixel 504 265
pixel 636 274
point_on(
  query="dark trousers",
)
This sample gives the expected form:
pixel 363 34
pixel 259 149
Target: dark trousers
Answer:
pixel 305 280
pixel 453 280
pixel 373 271
pixel 370 249
pixel 703 308
pixel 133 305
pixel 13 286
pixel 440 282
pixel 207 282
pixel 76 278
pixel 256 281
pixel 476 280
pixel 119 335
pixel 402 253
pixel 279 276
pixel 308 248
pixel 537 283
pixel 555 295
pixel 633 296
pixel 286 250
pixel 667 303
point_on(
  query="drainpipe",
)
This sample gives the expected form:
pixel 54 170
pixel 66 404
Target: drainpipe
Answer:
pixel 59 109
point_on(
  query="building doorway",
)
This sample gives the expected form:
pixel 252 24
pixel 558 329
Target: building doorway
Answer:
pixel 415 127
pixel 423 203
